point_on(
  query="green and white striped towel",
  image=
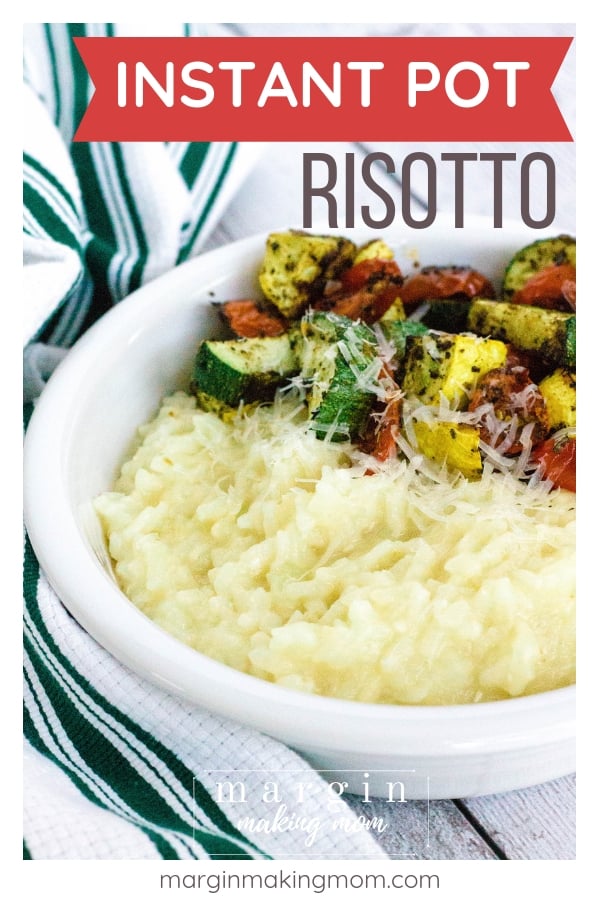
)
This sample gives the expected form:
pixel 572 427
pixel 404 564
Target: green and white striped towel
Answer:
pixel 114 767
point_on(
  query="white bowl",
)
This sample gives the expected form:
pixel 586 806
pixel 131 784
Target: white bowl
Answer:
pixel 112 381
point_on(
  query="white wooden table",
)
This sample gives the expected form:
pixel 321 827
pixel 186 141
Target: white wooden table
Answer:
pixel 538 823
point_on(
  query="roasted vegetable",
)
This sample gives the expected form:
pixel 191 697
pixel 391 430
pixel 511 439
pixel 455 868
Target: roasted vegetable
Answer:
pixel 395 312
pixel 210 404
pixel 537 273
pixel 558 390
pixel 475 380
pixel 298 265
pixel 552 288
pixel 248 369
pixel 396 332
pixel 376 249
pixel 448 363
pixel 446 315
pixel 436 282
pixel 339 362
pixel 247 318
pixel 366 291
pixel 557 461
pixel 515 401
pixel 384 445
pixel 451 444
pixel 548 332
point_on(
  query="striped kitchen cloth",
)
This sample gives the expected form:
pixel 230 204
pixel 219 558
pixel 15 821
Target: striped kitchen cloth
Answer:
pixel 115 768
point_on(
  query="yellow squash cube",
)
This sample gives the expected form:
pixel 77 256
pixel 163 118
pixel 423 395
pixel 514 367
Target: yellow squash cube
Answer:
pixel 451 444
pixel 451 364
pixel 558 390
pixel 297 265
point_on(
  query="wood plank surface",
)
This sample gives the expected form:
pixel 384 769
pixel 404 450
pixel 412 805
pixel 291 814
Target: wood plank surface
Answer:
pixel 417 830
pixel 538 823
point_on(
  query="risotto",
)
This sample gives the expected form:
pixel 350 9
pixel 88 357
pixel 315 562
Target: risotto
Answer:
pixel 269 550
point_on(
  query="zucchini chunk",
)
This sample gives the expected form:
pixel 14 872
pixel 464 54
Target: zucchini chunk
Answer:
pixel 397 331
pixel 338 360
pixel 210 404
pixel 248 369
pixel 297 266
pixel 450 364
pixel 548 332
pixel 530 260
pixel 558 390
pixel 452 444
pixel 447 315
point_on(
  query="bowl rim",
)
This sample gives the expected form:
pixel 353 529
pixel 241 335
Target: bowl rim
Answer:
pixel 294 716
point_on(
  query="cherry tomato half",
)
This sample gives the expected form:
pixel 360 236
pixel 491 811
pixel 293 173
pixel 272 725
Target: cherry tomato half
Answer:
pixel 382 430
pixel 553 288
pixel 435 283
pixel 248 320
pixel 367 290
pixel 557 460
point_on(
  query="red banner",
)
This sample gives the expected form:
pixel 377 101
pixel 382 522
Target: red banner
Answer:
pixel 323 89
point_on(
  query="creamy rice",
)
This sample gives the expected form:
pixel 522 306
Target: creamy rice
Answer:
pixel 267 549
